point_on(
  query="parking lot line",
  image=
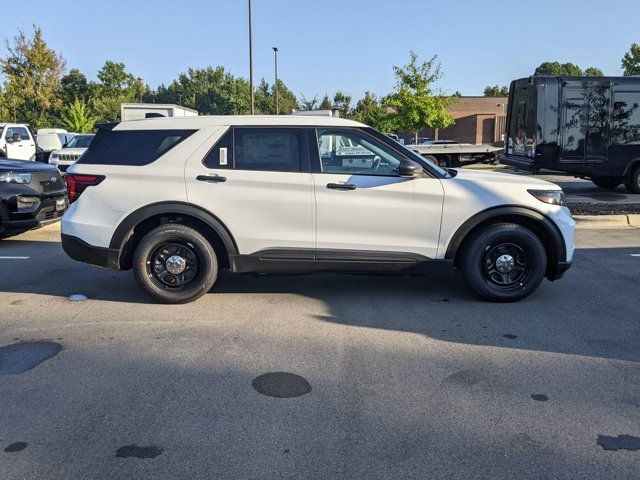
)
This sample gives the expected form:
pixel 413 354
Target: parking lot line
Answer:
pixel 14 258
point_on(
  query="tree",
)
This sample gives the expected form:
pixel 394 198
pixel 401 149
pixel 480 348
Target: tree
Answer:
pixel 556 69
pixel 326 104
pixel 115 86
pixel 342 103
pixel 76 117
pixel 416 102
pixel 74 86
pixel 371 111
pixel 308 104
pixel 631 61
pixel 33 72
pixel 593 72
pixel 211 91
pixel 496 91
pixel 266 101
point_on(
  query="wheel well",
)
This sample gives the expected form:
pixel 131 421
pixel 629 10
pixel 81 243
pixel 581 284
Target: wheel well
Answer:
pixel 631 166
pixel 148 224
pixel 532 224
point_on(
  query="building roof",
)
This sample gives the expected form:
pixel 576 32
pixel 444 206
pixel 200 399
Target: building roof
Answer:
pixel 234 120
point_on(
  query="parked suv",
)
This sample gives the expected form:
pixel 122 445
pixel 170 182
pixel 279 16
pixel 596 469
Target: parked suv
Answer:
pixel 70 151
pixel 178 199
pixel 31 195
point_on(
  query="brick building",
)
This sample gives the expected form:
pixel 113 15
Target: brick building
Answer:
pixel 477 120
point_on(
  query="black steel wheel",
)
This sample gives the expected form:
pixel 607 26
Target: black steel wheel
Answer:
pixel 503 262
pixel 175 264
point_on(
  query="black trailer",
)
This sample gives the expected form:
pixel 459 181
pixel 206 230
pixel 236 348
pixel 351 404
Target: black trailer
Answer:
pixel 585 126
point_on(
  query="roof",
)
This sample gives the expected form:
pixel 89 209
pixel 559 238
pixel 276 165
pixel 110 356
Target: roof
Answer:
pixel 151 106
pixel 234 120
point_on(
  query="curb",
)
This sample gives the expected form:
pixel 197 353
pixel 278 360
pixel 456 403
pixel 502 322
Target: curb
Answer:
pixel 607 221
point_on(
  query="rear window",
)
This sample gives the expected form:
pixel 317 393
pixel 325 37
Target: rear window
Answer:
pixel 131 147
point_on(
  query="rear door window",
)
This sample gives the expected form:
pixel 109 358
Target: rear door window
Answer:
pixel 261 149
pixel 132 147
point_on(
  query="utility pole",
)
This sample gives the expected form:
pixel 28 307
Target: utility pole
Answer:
pixel 253 105
pixel 275 53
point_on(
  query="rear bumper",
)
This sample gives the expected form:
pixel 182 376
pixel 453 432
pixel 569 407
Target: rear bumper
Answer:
pixel 81 251
pixel 521 163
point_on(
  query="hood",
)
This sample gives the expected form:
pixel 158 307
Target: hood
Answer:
pixel 8 165
pixel 506 179
pixel 69 151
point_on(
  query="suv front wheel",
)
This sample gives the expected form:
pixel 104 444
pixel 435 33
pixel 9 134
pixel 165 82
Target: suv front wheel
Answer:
pixel 504 262
pixel 174 263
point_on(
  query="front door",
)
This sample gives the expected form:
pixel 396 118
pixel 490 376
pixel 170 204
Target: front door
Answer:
pixel 364 210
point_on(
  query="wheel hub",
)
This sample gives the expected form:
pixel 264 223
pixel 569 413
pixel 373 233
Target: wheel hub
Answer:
pixel 505 263
pixel 176 264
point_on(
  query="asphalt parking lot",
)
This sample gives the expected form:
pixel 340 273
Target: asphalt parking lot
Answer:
pixel 401 377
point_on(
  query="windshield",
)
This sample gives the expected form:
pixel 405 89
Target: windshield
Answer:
pixel 80 141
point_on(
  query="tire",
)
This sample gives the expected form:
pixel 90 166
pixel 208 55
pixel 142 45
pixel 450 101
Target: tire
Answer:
pixel 432 159
pixel 151 264
pixel 632 182
pixel 493 242
pixel 606 182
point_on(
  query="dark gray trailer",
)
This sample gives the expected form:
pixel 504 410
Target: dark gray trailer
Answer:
pixel 585 126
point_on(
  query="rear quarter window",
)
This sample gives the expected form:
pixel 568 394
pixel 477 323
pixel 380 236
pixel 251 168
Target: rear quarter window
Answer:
pixel 132 147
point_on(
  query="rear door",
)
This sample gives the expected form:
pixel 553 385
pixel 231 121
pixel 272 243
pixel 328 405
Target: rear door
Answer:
pixel 585 124
pixel 365 211
pixel 257 181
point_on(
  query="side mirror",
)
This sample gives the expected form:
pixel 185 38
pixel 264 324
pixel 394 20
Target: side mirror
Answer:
pixel 8 139
pixel 409 169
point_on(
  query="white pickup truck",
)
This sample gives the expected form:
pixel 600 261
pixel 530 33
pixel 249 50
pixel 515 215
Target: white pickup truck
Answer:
pixel 17 142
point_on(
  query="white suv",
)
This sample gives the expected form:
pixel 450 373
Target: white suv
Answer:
pixel 176 199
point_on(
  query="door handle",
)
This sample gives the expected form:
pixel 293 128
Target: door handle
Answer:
pixel 211 178
pixel 341 186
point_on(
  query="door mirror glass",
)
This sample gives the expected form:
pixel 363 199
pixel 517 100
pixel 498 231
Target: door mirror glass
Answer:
pixel 409 169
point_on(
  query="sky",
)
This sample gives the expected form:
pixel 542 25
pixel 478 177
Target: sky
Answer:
pixel 330 45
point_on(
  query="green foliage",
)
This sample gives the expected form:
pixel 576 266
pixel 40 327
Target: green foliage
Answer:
pixel 371 111
pixel 556 69
pixel 74 85
pixel 308 104
pixel 631 61
pixel 496 91
pixel 342 103
pixel 77 118
pixel 115 86
pixel 417 103
pixel 33 72
pixel 593 72
pixel 211 91
pixel 265 98
pixel 326 104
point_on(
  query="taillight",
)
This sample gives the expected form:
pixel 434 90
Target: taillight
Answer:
pixel 78 183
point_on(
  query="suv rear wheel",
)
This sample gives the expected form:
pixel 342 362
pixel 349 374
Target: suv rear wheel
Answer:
pixel 633 181
pixel 504 262
pixel 175 264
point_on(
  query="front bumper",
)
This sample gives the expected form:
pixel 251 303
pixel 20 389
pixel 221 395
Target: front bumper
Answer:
pixel 81 251
pixel 45 210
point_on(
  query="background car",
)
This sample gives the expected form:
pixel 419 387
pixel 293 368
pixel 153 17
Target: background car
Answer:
pixel 50 139
pixel 70 152
pixel 31 195
pixel 17 141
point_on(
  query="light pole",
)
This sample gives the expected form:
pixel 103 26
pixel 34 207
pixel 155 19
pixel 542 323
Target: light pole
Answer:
pixel 253 106
pixel 275 54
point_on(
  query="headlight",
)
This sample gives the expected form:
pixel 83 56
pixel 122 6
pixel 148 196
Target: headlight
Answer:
pixel 552 197
pixel 12 177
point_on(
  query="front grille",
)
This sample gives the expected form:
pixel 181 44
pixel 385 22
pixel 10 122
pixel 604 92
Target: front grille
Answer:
pixel 67 157
pixel 42 182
